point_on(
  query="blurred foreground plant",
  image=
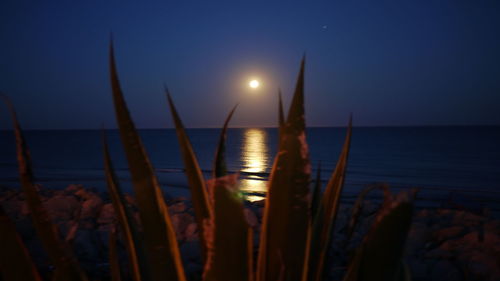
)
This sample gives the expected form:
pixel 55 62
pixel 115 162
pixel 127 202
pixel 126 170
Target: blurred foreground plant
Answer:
pixel 296 233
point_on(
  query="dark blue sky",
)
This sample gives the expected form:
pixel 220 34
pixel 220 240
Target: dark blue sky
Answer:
pixel 389 62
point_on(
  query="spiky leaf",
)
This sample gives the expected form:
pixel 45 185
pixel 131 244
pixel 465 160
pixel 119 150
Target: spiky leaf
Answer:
pixel 358 207
pixel 160 240
pixel 199 197
pixel 125 219
pixel 281 117
pixel 286 222
pixel 230 253
pixel 15 261
pixel 59 252
pixel 324 221
pixel 382 249
pixel 220 168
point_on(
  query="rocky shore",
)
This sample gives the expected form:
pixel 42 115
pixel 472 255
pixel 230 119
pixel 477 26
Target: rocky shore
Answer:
pixel 443 244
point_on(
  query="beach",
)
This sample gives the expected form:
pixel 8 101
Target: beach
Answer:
pixel 454 233
pixel 443 243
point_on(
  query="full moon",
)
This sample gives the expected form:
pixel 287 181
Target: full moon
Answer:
pixel 254 84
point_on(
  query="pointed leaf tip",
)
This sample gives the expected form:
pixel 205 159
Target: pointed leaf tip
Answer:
pixel 160 241
pixel 327 213
pixel 58 251
pixel 165 88
pixel 296 111
pixel 287 207
pixel 220 163
pixel 202 207
pixel 281 114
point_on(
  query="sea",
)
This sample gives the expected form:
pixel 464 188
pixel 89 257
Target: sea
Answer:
pixel 449 165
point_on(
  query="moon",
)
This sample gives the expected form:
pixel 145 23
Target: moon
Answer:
pixel 254 84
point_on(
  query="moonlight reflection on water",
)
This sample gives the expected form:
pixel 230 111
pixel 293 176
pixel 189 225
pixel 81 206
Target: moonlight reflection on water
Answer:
pixel 255 161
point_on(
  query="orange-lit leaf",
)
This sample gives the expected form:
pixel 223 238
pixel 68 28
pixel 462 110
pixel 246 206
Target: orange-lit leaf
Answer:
pixel 387 236
pixel 160 241
pixel 15 261
pixel 125 219
pixel 199 197
pixel 220 168
pixel 230 252
pixel 324 221
pixel 286 223
pixel 281 117
pixel 59 252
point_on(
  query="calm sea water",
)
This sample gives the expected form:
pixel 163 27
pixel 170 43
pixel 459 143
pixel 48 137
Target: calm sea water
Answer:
pixel 436 159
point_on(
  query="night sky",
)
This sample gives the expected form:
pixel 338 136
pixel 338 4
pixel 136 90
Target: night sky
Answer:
pixel 391 63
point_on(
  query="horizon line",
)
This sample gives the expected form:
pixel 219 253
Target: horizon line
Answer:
pixel 266 127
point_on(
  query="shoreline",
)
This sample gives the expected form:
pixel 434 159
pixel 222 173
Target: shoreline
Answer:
pixel 443 243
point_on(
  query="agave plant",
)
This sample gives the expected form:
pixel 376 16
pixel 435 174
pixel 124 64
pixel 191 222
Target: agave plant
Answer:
pixel 296 231
pixel 57 249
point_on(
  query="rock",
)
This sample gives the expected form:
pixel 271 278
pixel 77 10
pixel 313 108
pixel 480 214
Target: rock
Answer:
pixel 191 252
pixel 479 257
pixel 62 208
pixel 14 208
pixel 417 237
pixel 107 215
pixel 439 253
pixel 444 270
pixel 25 209
pixel 90 210
pixel 91 206
pixel 418 269
pixel 194 271
pixel 178 199
pixel 492 226
pixel 449 233
pixel 83 193
pixel 191 233
pixel 24 227
pixel 87 246
pixel 467 219
pixel 251 218
pixel 130 199
pixel 177 208
pixel 73 188
pixel 191 256
pixel 180 222
pixel 442 243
